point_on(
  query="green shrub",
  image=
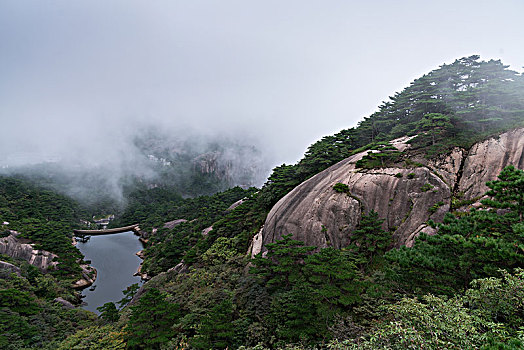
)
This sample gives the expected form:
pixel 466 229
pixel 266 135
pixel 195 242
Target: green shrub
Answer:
pixel 435 207
pixel 341 188
pixel 426 187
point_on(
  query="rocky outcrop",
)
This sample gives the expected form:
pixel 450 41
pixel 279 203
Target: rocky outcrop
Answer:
pixel 89 274
pixel 206 231
pixel 65 304
pixel 18 248
pixel 236 204
pixel 486 160
pixel 174 223
pixel 10 268
pixel 181 267
pixel 448 166
pixel 142 275
pixel 256 244
pixel 140 254
pixel 406 198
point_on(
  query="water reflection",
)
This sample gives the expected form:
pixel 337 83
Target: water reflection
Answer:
pixel 114 258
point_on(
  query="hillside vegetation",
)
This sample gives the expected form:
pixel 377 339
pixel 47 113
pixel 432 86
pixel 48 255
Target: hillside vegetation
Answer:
pixel 462 288
pixel 29 315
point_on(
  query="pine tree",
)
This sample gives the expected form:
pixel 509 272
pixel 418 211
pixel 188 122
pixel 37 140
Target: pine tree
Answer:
pixel 151 321
pixel 108 312
pixel 473 245
pixel 508 191
pixel 368 240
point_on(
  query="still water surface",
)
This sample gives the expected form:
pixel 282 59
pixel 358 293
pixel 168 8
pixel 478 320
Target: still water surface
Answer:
pixel 114 258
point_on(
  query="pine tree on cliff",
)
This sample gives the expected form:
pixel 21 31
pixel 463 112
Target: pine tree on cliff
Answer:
pixel 508 191
pixel 368 240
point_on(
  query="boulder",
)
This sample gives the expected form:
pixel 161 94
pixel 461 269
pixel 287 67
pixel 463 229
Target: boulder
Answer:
pixel 206 231
pixel 236 204
pixel 406 198
pixel 89 274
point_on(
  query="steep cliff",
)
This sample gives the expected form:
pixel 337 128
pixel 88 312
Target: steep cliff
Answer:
pixel 406 197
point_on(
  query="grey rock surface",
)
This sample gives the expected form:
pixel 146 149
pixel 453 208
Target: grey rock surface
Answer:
pixel 316 214
pixel 66 304
pixel 485 160
pixel 15 247
pixel 173 223
pixel 89 275
pixel 448 166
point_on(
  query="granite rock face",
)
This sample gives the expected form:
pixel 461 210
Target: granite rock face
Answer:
pixel 15 247
pixel 485 160
pixel 318 215
pixel 174 223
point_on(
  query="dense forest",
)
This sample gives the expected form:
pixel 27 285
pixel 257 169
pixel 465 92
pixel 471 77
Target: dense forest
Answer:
pixel 462 288
pixel 29 315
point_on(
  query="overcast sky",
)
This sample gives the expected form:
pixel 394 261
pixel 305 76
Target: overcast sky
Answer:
pixel 76 75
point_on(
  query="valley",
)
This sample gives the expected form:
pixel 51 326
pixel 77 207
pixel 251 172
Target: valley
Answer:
pixel 405 231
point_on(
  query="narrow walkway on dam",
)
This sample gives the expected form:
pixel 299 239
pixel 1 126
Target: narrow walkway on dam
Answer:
pixel 108 231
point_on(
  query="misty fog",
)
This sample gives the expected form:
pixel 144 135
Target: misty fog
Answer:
pixel 82 80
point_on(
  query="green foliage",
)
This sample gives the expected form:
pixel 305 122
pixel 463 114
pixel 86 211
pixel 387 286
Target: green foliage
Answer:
pixel 29 317
pixel 334 279
pixel 151 321
pixel 129 293
pixel 426 187
pixel 499 301
pixel 220 252
pixel 18 301
pixel 435 207
pixel 508 191
pixel 341 188
pixel 108 312
pixel 488 315
pixel 368 241
pixel 216 330
pixel 95 338
pixel 434 125
pixel 379 160
pixel 283 265
pixel 474 245
pixel 432 323
pixel 306 289
pixel 44 217
pixel 167 247
pixel 282 180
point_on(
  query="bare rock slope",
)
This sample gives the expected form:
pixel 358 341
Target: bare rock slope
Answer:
pixel 17 248
pixel 406 198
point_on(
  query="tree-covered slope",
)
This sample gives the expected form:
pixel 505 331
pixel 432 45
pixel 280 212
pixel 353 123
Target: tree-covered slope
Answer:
pixel 43 217
pixel 459 288
pixel 30 316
